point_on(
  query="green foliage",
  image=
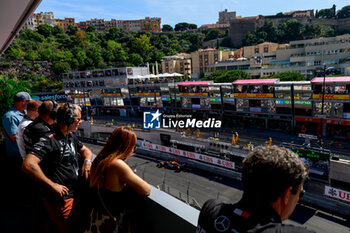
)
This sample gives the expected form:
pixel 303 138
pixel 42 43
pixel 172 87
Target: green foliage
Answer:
pixel 135 59
pixel 143 46
pixel 8 89
pixel 148 26
pixel 45 30
pixel 167 28
pixel 16 54
pixel 61 67
pixel 184 27
pixel 328 13
pixel 78 50
pixel 226 42
pixel 289 76
pixel 32 55
pixel 225 76
pixel 5 64
pixel 91 28
pixel 344 12
pixel 72 29
pixel 57 30
pixel 286 32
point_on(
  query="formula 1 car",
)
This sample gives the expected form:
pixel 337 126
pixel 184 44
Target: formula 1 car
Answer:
pixel 173 165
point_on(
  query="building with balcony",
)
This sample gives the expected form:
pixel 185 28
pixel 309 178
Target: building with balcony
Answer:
pixel 179 63
pixel 204 58
pixel 83 25
pixel 303 56
pixel 64 23
pixel 40 18
pixel 195 63
pixel 99 24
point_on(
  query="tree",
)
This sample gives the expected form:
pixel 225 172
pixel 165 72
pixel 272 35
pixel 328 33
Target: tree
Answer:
pixel 184 26
pixel 31 35
pixel 9 88
pixel 212 34
pixel 328 13
pixel 57 30
pixel 192 26
pixel 196 41
pixel 135 59
pixel 81 38
pixel 91 28
pixel 214 75
pixel 72 29
pixel 44 29
pixel 223 76
pixel 312 31
pixel 167 28
pixel 249 39
pixel 16 54
pixel 61 67
pixel 32 55
pixel 327 32
pixel 115 51
pixel 289 76
pixel 232 76
pixel 291 30
pixel 148 26
pixel 270 32
pixel 344 12
pixel 142 46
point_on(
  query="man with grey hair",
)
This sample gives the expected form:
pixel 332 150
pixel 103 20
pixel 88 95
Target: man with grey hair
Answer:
pixel 272 179
pixel 53 162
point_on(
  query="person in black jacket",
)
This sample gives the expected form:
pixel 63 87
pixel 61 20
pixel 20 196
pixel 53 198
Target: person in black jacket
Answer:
pixel 272 179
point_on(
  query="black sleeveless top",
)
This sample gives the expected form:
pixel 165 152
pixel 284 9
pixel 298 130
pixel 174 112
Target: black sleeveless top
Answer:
pixel 116 202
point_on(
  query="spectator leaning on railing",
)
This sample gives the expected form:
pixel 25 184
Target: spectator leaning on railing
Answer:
pixel 272 180
pixel 53 162
pixel 117 190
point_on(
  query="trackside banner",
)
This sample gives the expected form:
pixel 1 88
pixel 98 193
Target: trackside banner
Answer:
pixel 337 193
pixel 191 155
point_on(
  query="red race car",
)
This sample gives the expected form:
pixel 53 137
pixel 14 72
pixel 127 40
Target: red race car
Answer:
pixel 171 165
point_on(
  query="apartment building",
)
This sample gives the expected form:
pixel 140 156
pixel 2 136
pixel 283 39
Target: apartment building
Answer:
pixel 194 64
pixel 99 24
pixel 64 23
pixel 180 63
pixel 83 25
pixel 203 58
pixel 306 57
pixel 40 18
pixel 147 24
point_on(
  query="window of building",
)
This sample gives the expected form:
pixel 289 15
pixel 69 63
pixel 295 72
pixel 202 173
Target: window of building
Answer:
pixel 256 50
pixel 266 49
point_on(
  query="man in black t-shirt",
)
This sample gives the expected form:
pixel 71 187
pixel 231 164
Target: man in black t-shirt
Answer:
pixel 41 126
pixel 53 162
pixel 272 179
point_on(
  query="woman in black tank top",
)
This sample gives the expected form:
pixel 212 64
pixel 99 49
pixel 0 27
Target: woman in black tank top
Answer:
pixel 115 186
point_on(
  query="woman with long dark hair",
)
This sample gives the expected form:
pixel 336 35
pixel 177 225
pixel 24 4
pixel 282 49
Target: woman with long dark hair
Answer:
pixel 114 183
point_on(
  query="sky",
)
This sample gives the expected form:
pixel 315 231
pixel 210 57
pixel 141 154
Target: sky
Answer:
pixel 176 11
